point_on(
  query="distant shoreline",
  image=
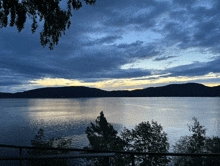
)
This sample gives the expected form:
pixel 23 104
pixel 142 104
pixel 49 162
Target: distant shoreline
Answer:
pixel 172 90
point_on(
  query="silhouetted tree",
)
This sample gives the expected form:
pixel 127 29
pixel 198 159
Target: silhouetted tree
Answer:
pixel 213 146
pixel 197 143
pixel 55 19
pixel 102 136
pixel 146 137
pixel 39 142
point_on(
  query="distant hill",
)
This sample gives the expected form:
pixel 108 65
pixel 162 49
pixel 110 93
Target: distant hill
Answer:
pixel 62 92
pixel 180 90
pixel 172 90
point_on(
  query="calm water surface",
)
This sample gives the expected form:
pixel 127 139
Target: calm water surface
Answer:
pixel 20 119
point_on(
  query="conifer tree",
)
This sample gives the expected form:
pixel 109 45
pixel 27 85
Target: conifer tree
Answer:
pixel 102 136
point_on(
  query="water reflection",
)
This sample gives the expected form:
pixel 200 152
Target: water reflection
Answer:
pixel 70 117
pixel 65 109
pixel 21 118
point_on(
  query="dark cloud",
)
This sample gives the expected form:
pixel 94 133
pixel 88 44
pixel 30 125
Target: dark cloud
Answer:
pixel 135 44
pixel 176 34
pixel 103 40
pixel 193 25
pixel 20 65
pixel 137 50
pixel 108 39
pixel 164 58
pixel 196 68
pixel 99 64
pixel 184 2
pixel 122 73
pixel 208 34
pixel 80 63
pixel 128 15
pixel 10 83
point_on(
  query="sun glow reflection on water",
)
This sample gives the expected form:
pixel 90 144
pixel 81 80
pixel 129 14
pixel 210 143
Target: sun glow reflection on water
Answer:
pixel 70 117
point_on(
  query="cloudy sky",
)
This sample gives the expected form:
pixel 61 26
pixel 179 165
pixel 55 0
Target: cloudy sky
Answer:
pixel 118 44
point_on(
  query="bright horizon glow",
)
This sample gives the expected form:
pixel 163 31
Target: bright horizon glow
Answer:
pixel 126 84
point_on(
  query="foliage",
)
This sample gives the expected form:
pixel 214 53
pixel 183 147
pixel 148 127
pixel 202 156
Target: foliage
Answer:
pixel 102 136
pixel 58 143
pixel 55 19
pixel 146 137
pixel 213 146
pixel 197 143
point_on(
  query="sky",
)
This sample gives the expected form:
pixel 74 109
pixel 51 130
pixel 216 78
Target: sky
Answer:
pixel 117 45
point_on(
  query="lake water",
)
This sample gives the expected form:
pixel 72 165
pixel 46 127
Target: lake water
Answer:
pixel 20 119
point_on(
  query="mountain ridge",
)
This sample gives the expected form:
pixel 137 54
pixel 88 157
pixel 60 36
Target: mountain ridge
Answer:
pixel 171 90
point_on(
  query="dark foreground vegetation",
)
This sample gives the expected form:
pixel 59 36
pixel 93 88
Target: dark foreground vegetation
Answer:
pixel 145 137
